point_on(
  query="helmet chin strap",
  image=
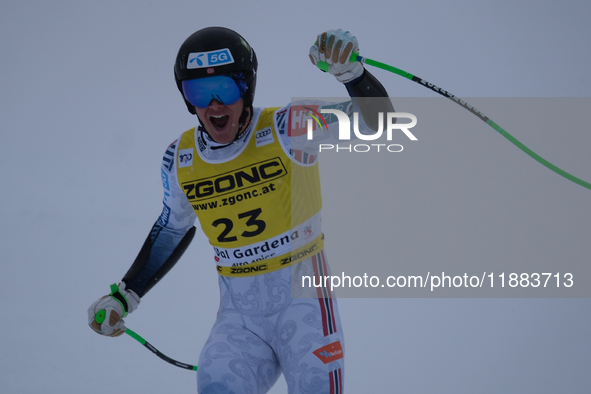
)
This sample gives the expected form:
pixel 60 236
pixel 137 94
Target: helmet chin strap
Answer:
pixel 243 121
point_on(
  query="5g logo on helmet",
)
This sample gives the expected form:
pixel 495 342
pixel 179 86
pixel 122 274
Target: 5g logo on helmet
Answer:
pixel 209 59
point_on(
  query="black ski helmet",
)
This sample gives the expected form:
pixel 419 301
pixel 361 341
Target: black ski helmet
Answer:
pixel 216 51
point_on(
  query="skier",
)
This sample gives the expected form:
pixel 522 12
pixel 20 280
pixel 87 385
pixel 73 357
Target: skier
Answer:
pixel 236 172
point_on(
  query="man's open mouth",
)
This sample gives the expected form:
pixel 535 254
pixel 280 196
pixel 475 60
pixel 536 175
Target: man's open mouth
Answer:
pixel 219 121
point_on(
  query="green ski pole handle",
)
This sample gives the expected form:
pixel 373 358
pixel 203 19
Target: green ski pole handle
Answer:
pixel 355 57
pixel 100 317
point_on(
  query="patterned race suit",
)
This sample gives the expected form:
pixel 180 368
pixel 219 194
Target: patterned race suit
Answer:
pixel 258 202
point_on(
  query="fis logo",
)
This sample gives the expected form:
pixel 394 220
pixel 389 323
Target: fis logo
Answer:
pixel 185 158
pixel 218 57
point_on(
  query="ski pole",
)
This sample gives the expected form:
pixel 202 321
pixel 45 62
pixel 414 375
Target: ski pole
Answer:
pixel 356 57
pixel 100 318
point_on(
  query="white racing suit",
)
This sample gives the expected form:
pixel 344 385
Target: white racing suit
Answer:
pixel 264 225
pixel 260 330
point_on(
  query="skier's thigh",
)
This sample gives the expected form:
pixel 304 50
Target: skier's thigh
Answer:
pixel 234 360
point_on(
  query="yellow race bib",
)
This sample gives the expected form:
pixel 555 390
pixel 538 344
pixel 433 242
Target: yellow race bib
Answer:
pixel 258 205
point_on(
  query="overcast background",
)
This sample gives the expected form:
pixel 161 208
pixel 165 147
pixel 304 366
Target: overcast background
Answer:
pixel 88 105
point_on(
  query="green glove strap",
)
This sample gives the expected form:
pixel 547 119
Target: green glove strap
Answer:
pixel 116 294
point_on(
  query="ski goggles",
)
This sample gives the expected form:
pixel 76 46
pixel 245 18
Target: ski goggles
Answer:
pixel 227 89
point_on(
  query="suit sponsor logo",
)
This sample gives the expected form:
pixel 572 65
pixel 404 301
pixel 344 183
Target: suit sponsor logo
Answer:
pixel 248 270
pixel 329 353
pixel 264 137
pixel 299 256
pixel 165 182
pixel 164 216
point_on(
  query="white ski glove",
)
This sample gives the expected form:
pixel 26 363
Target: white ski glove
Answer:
pixel 335 47
pixel 105 316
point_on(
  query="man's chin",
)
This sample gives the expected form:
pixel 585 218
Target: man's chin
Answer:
pixel 223 136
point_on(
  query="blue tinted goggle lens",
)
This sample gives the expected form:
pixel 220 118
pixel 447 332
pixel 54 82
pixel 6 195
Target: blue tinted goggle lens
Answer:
pixel 225 89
